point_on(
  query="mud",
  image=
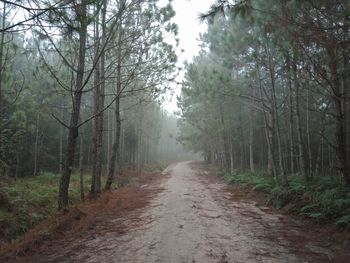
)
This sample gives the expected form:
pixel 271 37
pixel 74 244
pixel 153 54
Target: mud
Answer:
pixel 192 217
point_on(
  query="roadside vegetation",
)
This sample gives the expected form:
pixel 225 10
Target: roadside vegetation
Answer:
pixel 326 198
pixel 28 201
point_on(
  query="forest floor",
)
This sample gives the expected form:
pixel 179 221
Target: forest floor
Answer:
pixel 183 215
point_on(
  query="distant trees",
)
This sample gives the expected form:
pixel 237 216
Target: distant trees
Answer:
pixel 275 74
pixel 69 65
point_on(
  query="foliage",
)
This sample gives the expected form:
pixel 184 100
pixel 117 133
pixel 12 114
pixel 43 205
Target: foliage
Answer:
pixel 27 201
pixel 326 199
pixel 267 89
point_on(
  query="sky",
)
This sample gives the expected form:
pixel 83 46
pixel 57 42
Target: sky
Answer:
pixel 187 12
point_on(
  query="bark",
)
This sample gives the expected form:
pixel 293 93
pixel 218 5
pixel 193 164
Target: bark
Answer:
pixel 319 153
pixel 291 117
pixel 36 148
pixel 242 140
pixel 298 124
pixel 101 101
pixel 73 129
pixel 340 117
pixel 276 120
pixel 96 146
pixel 308 136
pixel 61 142
pixel 2 67
pixel 114 163
pixel 225 144
pixel 109 141
pixel 81 166
pixel 269 130
pixel 251 138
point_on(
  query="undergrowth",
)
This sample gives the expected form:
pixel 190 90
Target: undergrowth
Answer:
pixel 326 199
pixel 154 168
pixel 27 201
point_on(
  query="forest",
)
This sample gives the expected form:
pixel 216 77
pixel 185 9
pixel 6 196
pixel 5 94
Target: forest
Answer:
pixel 248 167
pixel 81 87
pixel 269 93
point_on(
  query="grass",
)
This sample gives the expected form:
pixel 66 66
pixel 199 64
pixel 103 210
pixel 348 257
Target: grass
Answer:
pixel 154 168
pixel 326 199
pixel 27 201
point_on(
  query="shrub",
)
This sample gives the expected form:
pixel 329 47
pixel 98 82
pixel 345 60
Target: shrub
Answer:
pixel 326 198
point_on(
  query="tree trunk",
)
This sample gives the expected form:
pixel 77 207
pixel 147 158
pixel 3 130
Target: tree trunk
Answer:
pixel 276 120
pixel 251 137
pixel 115 158
pixel 340 117
pixel 319 153
pixel 96 150
pixel 81 166
pixel 298 124
pixel 36 148
pixel 109 141
pixel 225 144
pixel 242 139
pixel 291 117
pixel 2 68
pixel 308 136
pixel 73 130
pixel 99 94
pixel 271 167
pixel 269 130
pixel 61 142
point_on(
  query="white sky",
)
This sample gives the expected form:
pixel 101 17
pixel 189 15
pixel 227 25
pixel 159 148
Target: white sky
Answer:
pixel 187 12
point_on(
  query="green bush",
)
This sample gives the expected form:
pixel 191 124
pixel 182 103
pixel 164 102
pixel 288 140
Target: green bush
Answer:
pixel 326 198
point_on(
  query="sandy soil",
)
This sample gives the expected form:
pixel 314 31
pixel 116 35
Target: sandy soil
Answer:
pixel 193 218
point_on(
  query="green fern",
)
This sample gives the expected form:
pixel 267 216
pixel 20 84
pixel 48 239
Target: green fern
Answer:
pixel 344 221
pixel 308 207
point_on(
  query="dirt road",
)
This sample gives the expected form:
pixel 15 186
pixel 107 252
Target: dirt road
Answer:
pixel 194 219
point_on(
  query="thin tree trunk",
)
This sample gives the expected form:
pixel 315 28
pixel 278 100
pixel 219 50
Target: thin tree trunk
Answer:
pixel 36 145
pixel 2 68
pixel 319 153
pixel 61 142
pixel 291 116
pixel 242 140
pixel 251 138
pixel 109 142
pixel 73 130
pixel 115 158
pixel 298 124
pixel 340 117
pixel 271 167
pixel 225 150
pixel 96 150
pixel 308 132
pixel 276 121
pixel 269 127
pixel 81 166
